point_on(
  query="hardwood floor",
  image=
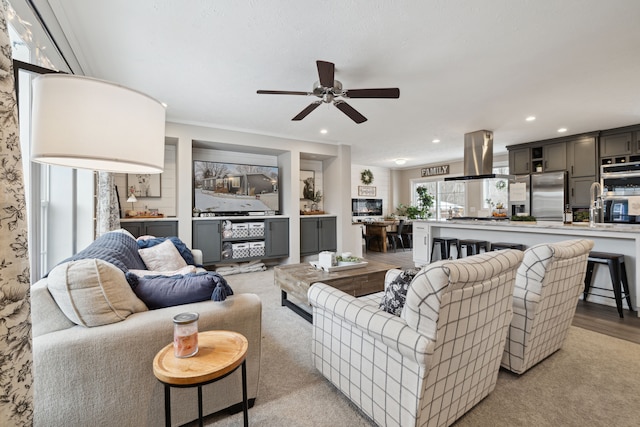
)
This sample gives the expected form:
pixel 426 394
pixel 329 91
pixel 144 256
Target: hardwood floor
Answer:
pixel 595 317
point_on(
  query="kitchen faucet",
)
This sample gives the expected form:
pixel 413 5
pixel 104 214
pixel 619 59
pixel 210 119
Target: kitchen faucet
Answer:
pixel 595 208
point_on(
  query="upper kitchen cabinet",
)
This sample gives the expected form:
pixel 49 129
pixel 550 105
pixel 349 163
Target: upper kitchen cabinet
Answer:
pixel 617 146
pixel 519 161
pixel 581 157
pixel 555 157
pixel 547 158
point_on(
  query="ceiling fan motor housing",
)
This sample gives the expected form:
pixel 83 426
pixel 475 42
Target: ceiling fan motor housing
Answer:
pixel 327 93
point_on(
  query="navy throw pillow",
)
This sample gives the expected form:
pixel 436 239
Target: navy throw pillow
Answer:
pixel 120 249
pixel 168 291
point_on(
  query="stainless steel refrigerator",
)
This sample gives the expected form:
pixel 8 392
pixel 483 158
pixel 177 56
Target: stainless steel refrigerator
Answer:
pixel 548 195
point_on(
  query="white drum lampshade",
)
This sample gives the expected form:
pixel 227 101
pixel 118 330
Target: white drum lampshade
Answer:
pixel 86 123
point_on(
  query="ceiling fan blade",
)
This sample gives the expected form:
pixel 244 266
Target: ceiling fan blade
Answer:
pixel 390 92
pixel 304 113
pixel 282 92
pixel 350 111
pixel 326 72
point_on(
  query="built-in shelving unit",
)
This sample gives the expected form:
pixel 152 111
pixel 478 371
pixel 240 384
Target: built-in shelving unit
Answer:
pixel 241 239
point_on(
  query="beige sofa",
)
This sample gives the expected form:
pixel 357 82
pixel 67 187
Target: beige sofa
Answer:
pixel 103 375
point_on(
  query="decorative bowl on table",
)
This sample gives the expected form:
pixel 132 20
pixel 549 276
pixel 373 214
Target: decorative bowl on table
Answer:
pixel 351 260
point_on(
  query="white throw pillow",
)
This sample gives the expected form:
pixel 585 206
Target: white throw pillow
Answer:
pixel 92 292
pixel 162 257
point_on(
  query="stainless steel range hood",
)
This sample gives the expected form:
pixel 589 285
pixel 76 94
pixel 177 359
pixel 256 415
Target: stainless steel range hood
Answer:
pixel 478 157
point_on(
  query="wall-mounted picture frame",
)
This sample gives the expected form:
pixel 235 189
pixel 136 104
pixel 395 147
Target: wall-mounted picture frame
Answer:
pixel 143 184
pixel 307 185
pixel 367 190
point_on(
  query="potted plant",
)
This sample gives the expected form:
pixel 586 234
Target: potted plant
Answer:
pixel 425 202
pixel 316 198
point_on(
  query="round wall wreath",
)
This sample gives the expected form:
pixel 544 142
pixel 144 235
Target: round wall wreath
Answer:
pixel 366 177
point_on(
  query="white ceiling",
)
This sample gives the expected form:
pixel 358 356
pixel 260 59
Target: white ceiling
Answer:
pixel 461 66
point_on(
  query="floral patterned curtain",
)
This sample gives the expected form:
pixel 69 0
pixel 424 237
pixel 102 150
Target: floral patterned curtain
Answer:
pixel 108 214
pixel 16 397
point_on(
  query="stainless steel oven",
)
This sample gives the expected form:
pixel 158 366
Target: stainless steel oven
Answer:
pixel 621 192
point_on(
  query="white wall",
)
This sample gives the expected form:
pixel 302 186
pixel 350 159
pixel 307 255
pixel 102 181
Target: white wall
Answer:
pixel 166 203
pixel 382 183
pixel 290 155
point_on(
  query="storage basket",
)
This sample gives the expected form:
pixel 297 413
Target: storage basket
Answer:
pixel 256 249
pixel 240 250
pixel 256 229
pixel 240 230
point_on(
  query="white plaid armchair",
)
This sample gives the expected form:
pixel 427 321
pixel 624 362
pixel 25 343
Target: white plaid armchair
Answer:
pixel 548 285
pixel 433 363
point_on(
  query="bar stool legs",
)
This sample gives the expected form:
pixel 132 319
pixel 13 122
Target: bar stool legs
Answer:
pixel 472 246
pixel 618 274
pixel 445 243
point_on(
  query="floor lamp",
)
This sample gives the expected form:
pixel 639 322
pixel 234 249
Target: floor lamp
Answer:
pixel 86 123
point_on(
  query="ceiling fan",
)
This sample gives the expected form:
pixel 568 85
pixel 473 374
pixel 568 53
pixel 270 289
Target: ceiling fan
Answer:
pixel 329 90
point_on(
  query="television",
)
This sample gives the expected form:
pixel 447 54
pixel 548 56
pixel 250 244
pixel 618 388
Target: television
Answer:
pixel 234 189
pixel 366 207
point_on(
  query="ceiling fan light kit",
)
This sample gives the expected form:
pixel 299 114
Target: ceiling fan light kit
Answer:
pixel 328 89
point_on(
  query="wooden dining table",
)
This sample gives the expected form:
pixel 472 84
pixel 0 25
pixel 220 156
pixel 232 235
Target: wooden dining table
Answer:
pixel 381 228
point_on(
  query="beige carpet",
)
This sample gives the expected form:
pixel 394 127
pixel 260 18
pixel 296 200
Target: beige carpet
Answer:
pixel 593 381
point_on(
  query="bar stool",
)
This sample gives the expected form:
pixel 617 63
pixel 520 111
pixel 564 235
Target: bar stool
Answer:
pixel 445 246
pixel 473 246
pixel 618 273
pixel 504 245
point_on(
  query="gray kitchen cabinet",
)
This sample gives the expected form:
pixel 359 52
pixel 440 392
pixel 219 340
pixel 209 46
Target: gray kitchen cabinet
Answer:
pixel 616 145
pixel 581 157
pixel 555 157
pixel 151 228
pixel 317 234
pixel 276 237
pixel 579 196
pixel 519 161
pixel 207 237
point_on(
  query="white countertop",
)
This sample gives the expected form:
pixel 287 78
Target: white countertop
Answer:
pixel 575 228
pixel 138 219
pixel 239 217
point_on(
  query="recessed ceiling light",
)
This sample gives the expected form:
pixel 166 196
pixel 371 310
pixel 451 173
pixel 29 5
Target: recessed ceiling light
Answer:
pixel 561 130
pixel 323 131
pixel 400 161
pixel 435 141
pixel 530 118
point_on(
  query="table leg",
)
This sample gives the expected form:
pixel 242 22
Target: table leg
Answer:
pixel 245 403
pixel 167 405
pixel 200 420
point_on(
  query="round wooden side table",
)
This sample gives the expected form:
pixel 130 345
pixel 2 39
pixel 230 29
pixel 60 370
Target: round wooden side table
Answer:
pixel 220 353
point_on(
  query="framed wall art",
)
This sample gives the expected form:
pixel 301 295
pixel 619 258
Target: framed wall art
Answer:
pixel 143 184
pixel 367 190
pixel 307 185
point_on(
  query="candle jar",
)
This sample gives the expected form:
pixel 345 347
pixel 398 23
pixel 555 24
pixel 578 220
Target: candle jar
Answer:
pixel 185 334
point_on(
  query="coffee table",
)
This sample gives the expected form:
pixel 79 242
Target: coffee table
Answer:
pixel 295 279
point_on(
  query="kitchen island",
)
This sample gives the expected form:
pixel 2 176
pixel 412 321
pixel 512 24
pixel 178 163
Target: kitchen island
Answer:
pixel 623 239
